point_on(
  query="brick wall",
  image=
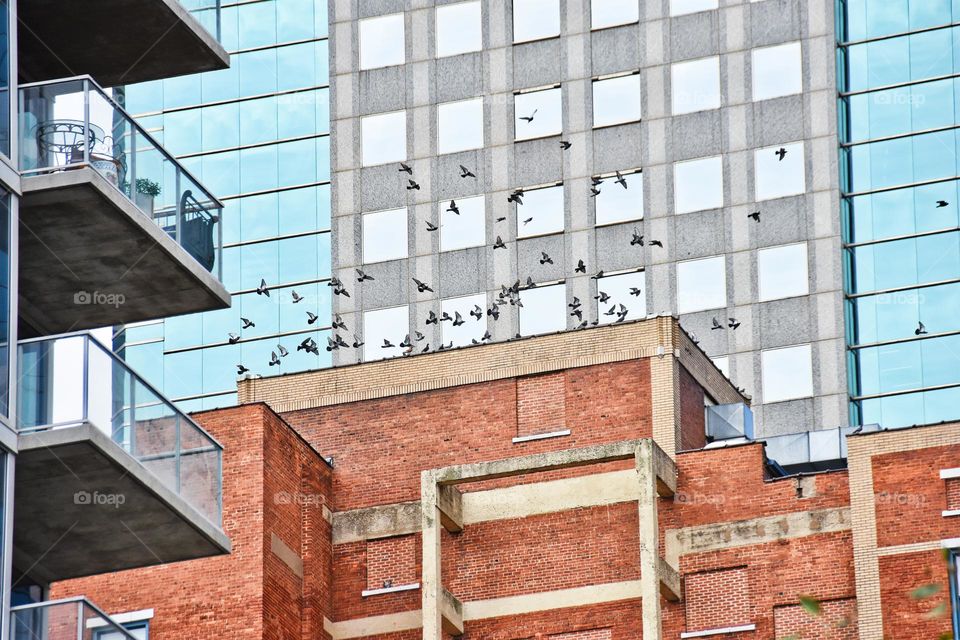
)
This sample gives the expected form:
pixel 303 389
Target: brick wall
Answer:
pixel 908 615
pixel 541 406
pixel 693 433
pixel 392 561
pixel 952 489
pixel 717 599
pixel 837 620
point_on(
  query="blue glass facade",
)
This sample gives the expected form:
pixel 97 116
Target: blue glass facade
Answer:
pixel 257 135
pixel 899 77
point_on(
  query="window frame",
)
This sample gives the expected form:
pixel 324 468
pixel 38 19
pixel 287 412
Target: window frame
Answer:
pixel 513 26
pixel 520 211
pixel 540 288
pixel 611 77
pixel 364 258
pixel 699 108
pixel 554 88
pixel 443 8
pixel 460 149
pixel 798 44
pixel 449 215
pixel 806 271
pixel 699 309
pixel 808 346
pixel 630 174
pixel 611 25
pixel 383 17
pixel 391 160
pixel 713 205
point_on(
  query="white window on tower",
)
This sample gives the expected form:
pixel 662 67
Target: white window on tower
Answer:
pixel 382 41
pixel 383 138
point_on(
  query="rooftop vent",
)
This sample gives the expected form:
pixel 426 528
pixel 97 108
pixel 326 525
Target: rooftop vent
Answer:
pixel 729 421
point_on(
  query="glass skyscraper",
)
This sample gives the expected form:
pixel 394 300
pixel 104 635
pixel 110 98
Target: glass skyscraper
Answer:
pixel 899 77
pixel 256 134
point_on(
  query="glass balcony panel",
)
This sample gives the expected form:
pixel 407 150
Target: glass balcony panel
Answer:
pixel 73 379
pixel 74 123
pixel 70 619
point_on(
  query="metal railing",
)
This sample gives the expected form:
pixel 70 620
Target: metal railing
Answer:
pixel 67 619
pixel 73 123
pixel 72 379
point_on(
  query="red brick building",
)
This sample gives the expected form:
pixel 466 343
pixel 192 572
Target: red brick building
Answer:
pixel 555 487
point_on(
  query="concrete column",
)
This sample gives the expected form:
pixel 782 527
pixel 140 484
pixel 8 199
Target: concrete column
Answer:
pixel 430 584
pixel 649 540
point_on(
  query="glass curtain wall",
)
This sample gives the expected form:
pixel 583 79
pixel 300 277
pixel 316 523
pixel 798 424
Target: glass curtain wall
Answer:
pixel 257 135
pixel 899 76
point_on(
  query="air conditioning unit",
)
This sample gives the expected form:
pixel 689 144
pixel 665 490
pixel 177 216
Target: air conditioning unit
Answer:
pixel 729 421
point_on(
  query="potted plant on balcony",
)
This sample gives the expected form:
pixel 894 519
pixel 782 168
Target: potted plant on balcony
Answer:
pixel 147 190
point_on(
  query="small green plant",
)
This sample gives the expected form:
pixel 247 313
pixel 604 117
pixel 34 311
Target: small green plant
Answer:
pixel 148 187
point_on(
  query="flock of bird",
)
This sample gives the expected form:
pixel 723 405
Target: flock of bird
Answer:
pixel 507 296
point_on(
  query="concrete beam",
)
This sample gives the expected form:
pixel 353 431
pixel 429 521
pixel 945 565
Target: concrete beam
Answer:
pixel 115 41
pixel 451 612
pixel 537 463
pixel 450 504
pixel 430 581
pixel 650 584
pixel 669 581
pixel 665 470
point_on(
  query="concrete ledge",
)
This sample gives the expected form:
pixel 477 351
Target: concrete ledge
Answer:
pixel 949 513
pixel 451 611
pixel 366 593
pixel 541 436
pixel 948 474
pixel 718 632
pixel 669 581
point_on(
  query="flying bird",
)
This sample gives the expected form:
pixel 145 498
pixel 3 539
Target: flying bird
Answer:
pixel 458 319
pixel 780 153
pixel 499 244
pixel 622 314
pixel 530 283
pixel 597 275
pixel 241 370
pixel 361 276
pixel 262 289
pixel 528 220
pixel 621 180
pixel 311 317
pixel 419 336
pixel 233 338
pixel 611 311
pixel 466 173
pixel 305 345
pixel 528 119
pixel 477 312
pixel 578 313
pixel 274 360
pixel 432 318
pixel 575 303
pixel 387 344
pixel 405 168
pixel 581 267
pixel 565 145
pixel 453 207
pixel 431 226
pixel 637 239
pixel 755 215
pixel 357 342
pixel 634 291
pixel 942 203
pixel 715 324
pixel 515 197
pixel 406 344
pixel 283 351
pixel 545 259
pixel 412 185
pixel 422 286
pixel 595 181
pixel 656 243
pixel 338 323
pixel 309 346
pixel 296 297
pixel 445 317
pixel 501 219
pixel 247 323
pixel 494 312
pixel 594 192
pixel 920 330
pixel 732 323
pixel 602 296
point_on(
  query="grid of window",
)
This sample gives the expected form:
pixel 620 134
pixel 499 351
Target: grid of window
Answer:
pixel 616 100
pixel 787 373
pixel 541 213
pixel 256 135
pixel 701 284
pixel 695 85
pixel 459 28
pixel 535 19
pixel 544 309
pixel 538 113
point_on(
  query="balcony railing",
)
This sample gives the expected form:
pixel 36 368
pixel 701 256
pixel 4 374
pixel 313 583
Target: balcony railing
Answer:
pixel 73 123
pixel 67 619
pixel 72 379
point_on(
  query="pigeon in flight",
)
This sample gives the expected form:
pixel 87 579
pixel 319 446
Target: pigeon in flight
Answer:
pixel 621 180
pixel 247 323
pixel 597 275
pixel 575 304
pixel 942 203
pixel 466 173
pixel 528 119
pixel 458 319
pixel 715 325
pixel 405 168
pixel 515 197
pixel 634 291
pixel 309 346
pixel 453 207
pixel 602 297
pixel 581 267
pixel 530 283
pixel 499 244
pixel 262 289
pixel 656 243
pixel 432 318
pixel 732 323
pixel 501 219
pixel 494 312
pixel 387 344
pixel 545 259
pixel 431 226
pixel 637 239
pixel 920 330
pixel 274 360
pixel 595 181
pixel 578 313
pixel 357 342
pixel 241 370
pixel 594 192
pixel 338 323
pixel 296 297
pixel 419 336
pixel 582 325
pixel 406 342
pixel 412 184
pixel 233 338
pixel 311 317
pixel 332 345
pixel 422 287
pixel 283 351
pixel 361 276
pixel 334 282
pixel 477 312
pixel 622 314
pixel 611 311
pixel 445 317
pixel 755 215
pixel 565 145
pixel 781 153
pixel 528 220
